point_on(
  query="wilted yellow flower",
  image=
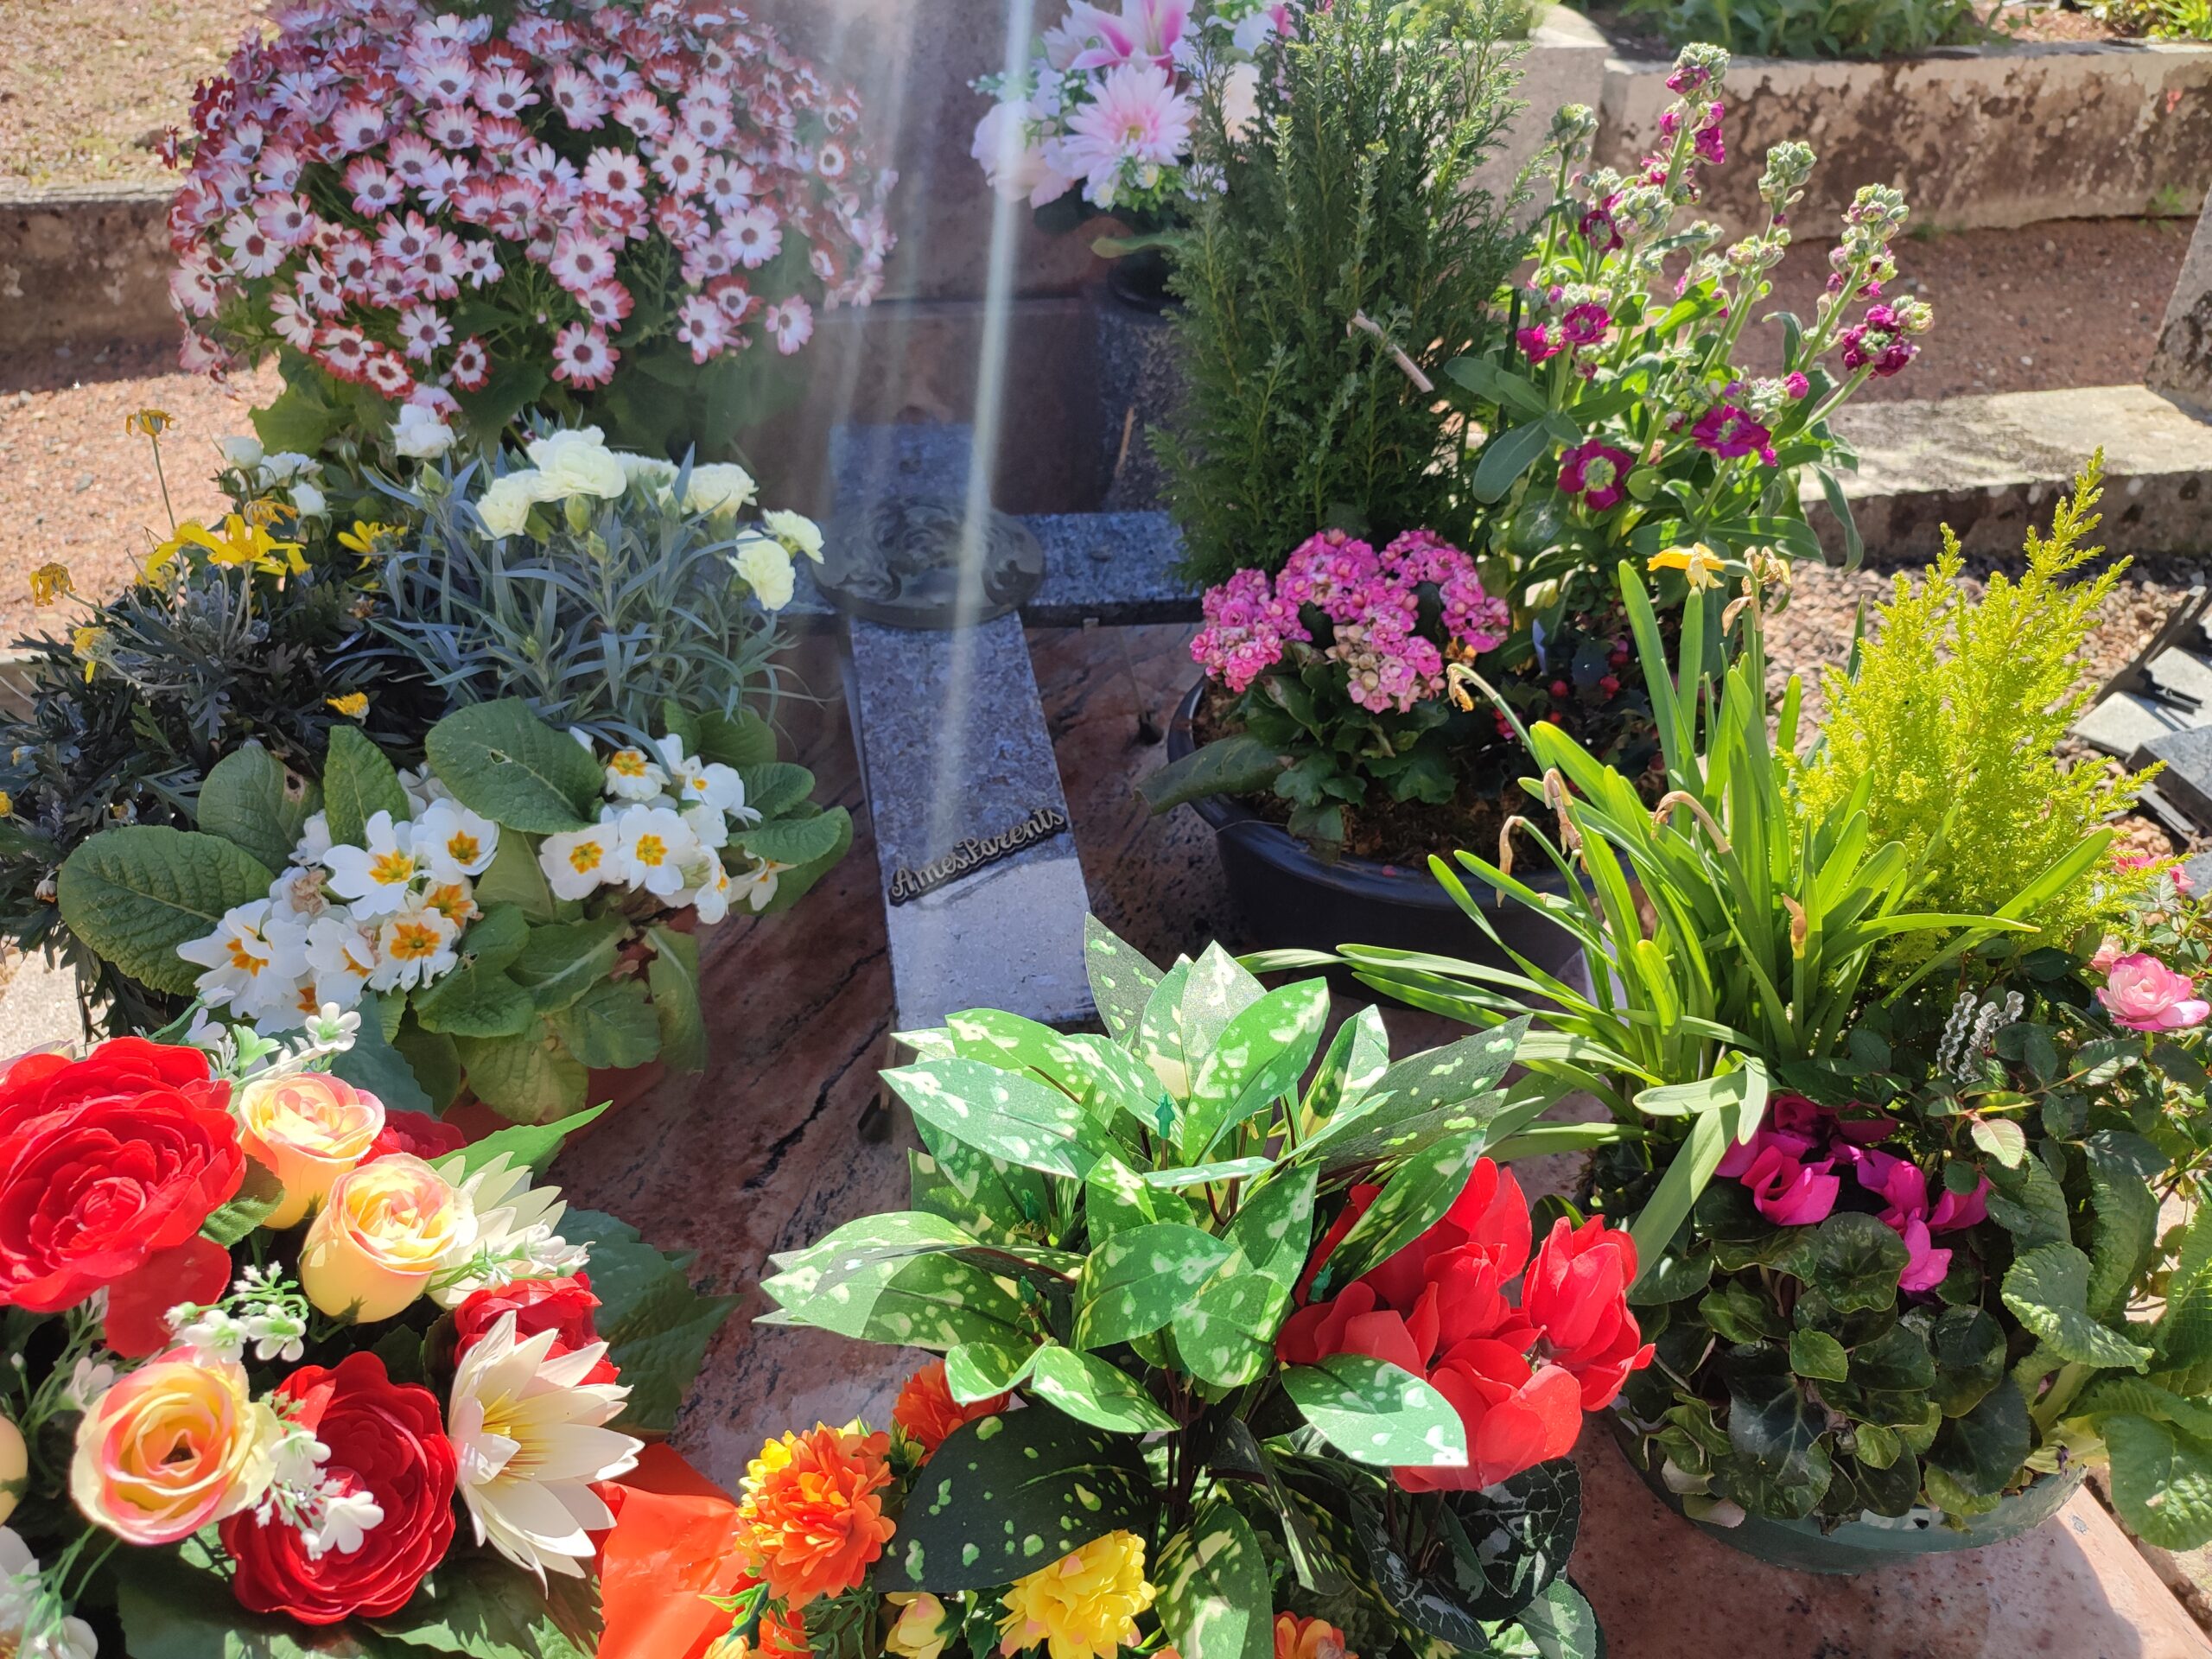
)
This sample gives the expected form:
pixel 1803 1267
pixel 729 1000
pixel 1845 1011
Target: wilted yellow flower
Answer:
pixel 353 705
pixel 366 535
pixel 148 423
pixel 91 644
pixel 1699 565
pixel 234 542
pixel 50 582
pixel 1083 1606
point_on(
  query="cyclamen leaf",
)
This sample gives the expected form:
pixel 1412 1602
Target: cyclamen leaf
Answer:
pixel 1377 1413
pixel 1260 1055
pixel 1133 1284
pixel 1091 1391
pixel 2048 1289
pixel 1002 1114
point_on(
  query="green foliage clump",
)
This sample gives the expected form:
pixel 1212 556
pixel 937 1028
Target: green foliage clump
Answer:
pixel 1350 195
pixel 1818 28
pixel 1955 716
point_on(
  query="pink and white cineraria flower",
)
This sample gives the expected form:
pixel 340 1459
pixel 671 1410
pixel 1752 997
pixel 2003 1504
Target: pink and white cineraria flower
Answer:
pixel 349 179
pixel 1109 99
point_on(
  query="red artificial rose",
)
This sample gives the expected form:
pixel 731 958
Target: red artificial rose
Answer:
pixel 1515 1415
pixel 561 1305
pixel 137 1326
pixel 104 1162
pixel 416 1134
pixel 1577 1294
pixel 386 1439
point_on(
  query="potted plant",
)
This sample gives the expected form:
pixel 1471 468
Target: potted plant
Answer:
pixel 590 209
pixel 288 1369
pixel 1151 1368
pixel 1594 407
pixel 1895 1176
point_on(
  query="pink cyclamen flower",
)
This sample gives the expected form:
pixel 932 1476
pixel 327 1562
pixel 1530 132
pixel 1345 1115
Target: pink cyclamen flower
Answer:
pixel 1790 1193
pixel 2143 993
pixel 1925 1265
pixel 1597 471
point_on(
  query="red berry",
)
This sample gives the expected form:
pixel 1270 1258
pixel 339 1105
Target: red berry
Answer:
pixel 1609 685
pixel 1561 688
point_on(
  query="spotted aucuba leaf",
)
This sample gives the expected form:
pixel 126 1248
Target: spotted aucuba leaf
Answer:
pixel 1357 1057
pixel 1260 1054
pixel 916 1301
pixel 1228 1169
pixel 1116 1199
pixel 1003 1114
pixel 1121 980
pixel 1106 1079
pixel 1419 1190
pixel 933 1043
pixel 1274 1224
pixel 1215 1592
pixel 1091 1391
pixel 1217 991
pixel 1227 1334
pixel 1005 1495
pixel 1134 1283
pixel 1377 1413
pixel 1159 1039
pixel 1444 1089
pixel 978 1370
pixel 1014 1203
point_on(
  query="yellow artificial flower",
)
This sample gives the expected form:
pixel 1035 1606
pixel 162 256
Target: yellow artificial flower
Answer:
pixel 148 423
pixel 367 535
pixel 7 810
pixel 1083 1606
pixel 353 705
pixel 1699 565
pixel 919 1628
pixel 50 582
pixel 91 644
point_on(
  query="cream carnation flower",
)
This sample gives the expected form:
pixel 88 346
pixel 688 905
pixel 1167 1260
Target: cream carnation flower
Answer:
pixel 719 486
pixel 506 501
pixel 578 462
pixel 766 568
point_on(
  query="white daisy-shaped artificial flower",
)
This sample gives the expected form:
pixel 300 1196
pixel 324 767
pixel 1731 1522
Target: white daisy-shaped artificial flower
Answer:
pixel 32 1621
pixel 376 879
pixel 532 1439
pixel 454 841
pixel 518 1231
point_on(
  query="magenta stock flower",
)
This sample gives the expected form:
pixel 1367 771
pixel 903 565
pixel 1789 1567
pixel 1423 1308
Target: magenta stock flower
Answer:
pixel 1729 432
pixel 2143 993
pixel 1542 342
pixel 1597 471
pixel 1600 230
pixel 1585 324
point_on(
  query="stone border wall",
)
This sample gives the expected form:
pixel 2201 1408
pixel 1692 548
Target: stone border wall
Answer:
pixel 84 265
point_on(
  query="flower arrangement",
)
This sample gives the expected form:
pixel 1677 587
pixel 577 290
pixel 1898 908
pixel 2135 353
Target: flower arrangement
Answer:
pixel 1615 417
pixel 517 912
pixel 1165 1413
pixel 1108 107
pixel 575 205
pixel 254 628
pixel 1341 669
pixel 291 1368
pixel 1899 1229
pixel 602 586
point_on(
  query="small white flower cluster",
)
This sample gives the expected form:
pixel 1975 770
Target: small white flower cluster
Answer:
pixel 286 471
pixel 239 1051
pixel 34 1619
pixel 345 919
pixel 328 1514
pixel 666 821
pixel 263 1309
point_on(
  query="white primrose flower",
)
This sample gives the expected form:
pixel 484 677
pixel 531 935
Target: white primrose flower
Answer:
pixel 376 879
pixel 423 786
pixel 455 840
pixel 654 842
pixel 632 776
pixel 578 863
pixel 697 783
pixel 757 886
pixel 413 948
pixel 710 824
pixel 315 839
pixel 299 894
pixel 709 885
pixel 254 960
pixel 797 532
pixel 342 956
pixel 420 435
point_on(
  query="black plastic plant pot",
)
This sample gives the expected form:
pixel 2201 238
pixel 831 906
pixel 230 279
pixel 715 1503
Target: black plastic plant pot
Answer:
pixel 1871 1541
pixel 1289 898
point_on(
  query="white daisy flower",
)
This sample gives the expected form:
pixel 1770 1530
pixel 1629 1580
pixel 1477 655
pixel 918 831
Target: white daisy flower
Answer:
pixel 376 879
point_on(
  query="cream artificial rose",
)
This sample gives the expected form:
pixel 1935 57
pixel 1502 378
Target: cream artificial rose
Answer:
pixel 505 504
pixel 384 1229
pixel 766 568
pixel 578 463
pixel 240 452
pixel 307 1128
pixel 719 486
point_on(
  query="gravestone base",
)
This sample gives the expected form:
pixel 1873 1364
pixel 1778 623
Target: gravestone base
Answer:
pixel 1140 385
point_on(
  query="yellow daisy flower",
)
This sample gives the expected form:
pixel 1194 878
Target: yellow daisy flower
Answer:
pixel 148 423
pixel 353 705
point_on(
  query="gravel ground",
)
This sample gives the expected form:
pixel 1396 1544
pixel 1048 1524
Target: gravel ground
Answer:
pixel 82 487
pixel 84 84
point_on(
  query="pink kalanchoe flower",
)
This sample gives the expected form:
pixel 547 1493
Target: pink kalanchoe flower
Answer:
pixel 2143 993
pixel 1597 471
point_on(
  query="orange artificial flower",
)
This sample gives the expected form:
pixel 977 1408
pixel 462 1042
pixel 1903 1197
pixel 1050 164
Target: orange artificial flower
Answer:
pixel 1308 1638
pixel 812 1522
pixel 777 1636
pixel 928 1414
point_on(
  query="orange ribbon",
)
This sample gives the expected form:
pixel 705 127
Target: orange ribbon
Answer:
pixel 671 1546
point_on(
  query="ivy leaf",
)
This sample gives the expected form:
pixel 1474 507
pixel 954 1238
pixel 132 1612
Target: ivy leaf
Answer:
pixel 1133 1284
pixel 1377 1414
pixel 2048 1289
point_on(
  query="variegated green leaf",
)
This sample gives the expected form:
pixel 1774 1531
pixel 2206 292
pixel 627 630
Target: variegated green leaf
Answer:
pixel 1217 991
pixel 1273 1226
pixel 1228 1169
pixel 1419 1190
pixel 933 1043
pixel 993 1199
pixel 1215 1592
pixel 1440 1092
pixel 1259 1056
pixel 1227 1335
pixel 1121 980
pixel 1133 1283
pixel 1088 1068
pixel 1091 1391
pixel 987 1369
pixel 916 1301
pixel 1377 1413
pixel 1357 1056
pixel 1158 1038
pixel 1002 1114
pixel 1116 1199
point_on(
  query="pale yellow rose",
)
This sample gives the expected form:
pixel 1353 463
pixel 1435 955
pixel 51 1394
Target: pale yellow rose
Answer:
pixel 306 1129
pixel 173 1445
pixel 921 1628
pixel 384 1230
